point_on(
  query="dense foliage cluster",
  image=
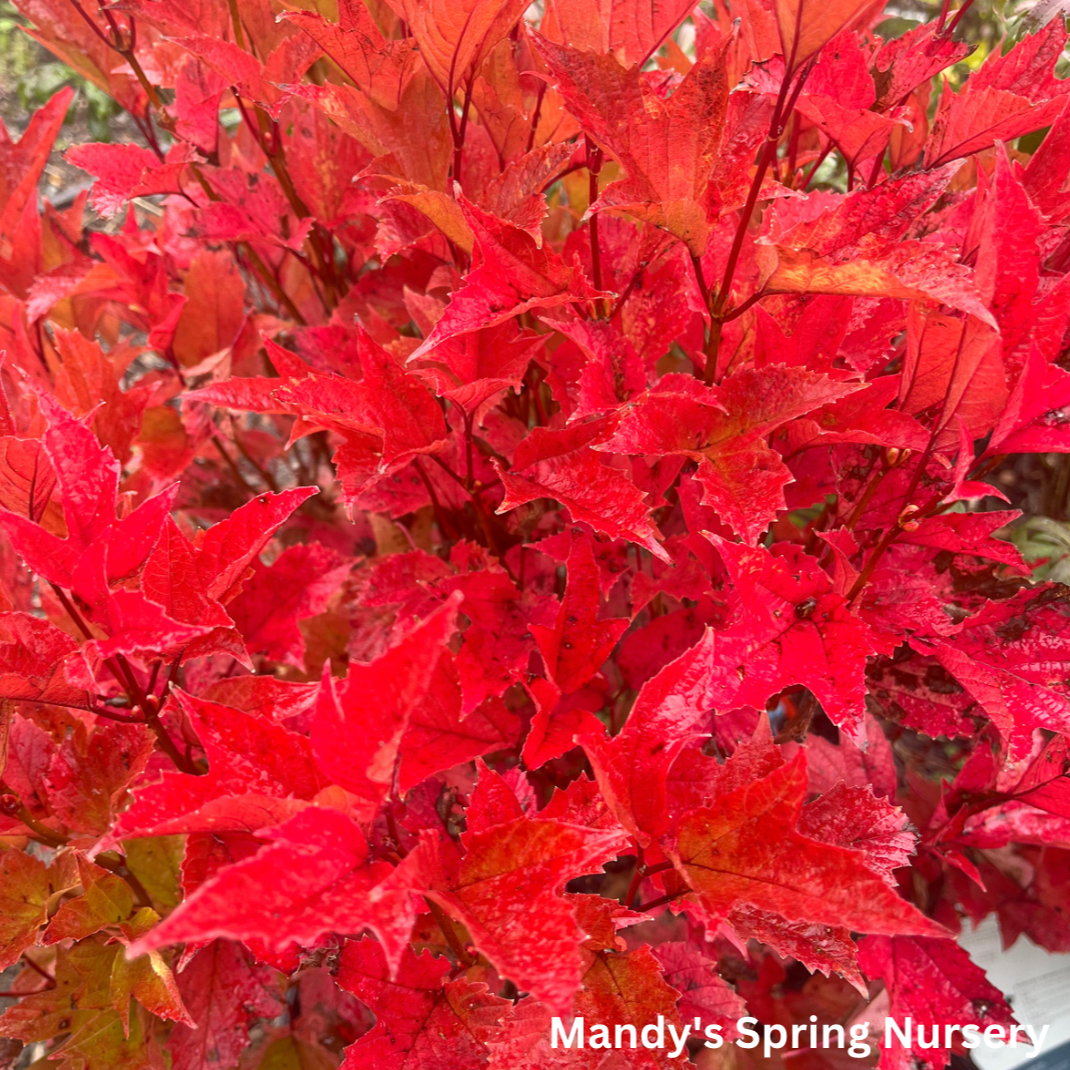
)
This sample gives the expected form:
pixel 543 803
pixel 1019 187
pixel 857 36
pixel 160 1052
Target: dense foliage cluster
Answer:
pixel 500 519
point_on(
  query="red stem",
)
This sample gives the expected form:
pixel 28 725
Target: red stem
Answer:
pixel 535 116
pixel 958 17
pixel 445 924
pixel 637 876
pixel 661 901
pixel 447 529
pixel 784 106
pixel 38 969
pixel 738 310
pixel 893 532
pixel 469 479
pixel 458 133
pixel 817 163
pixel 92 25
pixel 106 714
pixel 594 169
pixel 120 668
pixel 793 148
pixel 878 165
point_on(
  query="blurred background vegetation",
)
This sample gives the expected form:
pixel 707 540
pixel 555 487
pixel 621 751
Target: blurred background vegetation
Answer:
pixel 29 75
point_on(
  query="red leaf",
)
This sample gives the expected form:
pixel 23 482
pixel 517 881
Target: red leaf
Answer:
pixel 87 478
pixel 226 549
pixel 510 275
pixel 223 991
pixel 358 726
pixel 724 430
pixel 649 364
pixel 259 774
pixel 805 28
pixel 321 880
pixel 297 585
pixel 828 948
pixel 561 465
pixel 454 37
pixel 22 162
pixel 471 368
pixel 745 850
pixel 90 773
pixel 127 171
pixel 1033 419
pixel 629 988
pixel 933 982
pixel 421 1018
pixel 855 818
pixel 212 314
pixel 1009 96
pixel 558 722
pixel 702 993
pixel 507 892
pixel 497 644
pixel 792 630
pixel 1006 659
pixel 574 649
pixel 33 657
pixel 630 29
pixel 903 63
pixel 492 803
pixel 666 146
pixel 632 767
pixel 438 738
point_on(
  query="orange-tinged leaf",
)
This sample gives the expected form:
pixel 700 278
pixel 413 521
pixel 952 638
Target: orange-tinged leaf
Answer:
pixel 26 477
pixel 213 312
pixel 627 987
pixel 744 850
pixel 806 26
pixel 913 271
pixel 146 978
pixel 440 209
pixel 106 900
pixel 630 29
pixel 666 147
pixel 455 35
pixel 24 895
pixel 80 1006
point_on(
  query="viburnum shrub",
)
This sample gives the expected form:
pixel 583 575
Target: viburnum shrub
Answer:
pixel 497 524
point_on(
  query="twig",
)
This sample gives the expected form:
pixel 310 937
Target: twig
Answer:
pixel 444 923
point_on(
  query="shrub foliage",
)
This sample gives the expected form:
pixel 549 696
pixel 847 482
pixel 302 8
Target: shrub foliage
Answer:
pixel 501 518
